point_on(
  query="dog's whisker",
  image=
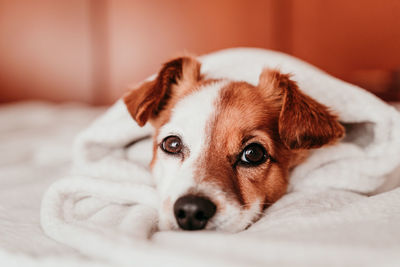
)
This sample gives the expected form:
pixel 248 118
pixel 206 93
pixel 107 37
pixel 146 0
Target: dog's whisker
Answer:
pixel 213 225
pixel 221 223
pixel 250 204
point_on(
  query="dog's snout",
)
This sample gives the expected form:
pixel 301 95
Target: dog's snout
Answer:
pixel 193 212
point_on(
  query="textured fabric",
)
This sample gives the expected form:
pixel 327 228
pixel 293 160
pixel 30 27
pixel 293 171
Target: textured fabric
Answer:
pixel 36 150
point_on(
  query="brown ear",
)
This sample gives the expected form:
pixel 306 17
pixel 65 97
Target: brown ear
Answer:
pixel 303 122
pixel 150 98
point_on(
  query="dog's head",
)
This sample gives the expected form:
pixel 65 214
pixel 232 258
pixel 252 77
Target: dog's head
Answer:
pixel 223 149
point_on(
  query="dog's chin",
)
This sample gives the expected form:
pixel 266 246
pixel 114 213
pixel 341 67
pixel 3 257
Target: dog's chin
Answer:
pixel 236 219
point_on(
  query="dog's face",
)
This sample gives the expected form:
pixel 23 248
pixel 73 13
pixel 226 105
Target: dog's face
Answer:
pixel 223 149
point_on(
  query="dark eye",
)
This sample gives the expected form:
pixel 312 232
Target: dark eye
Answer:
pixel 253 154
pixel 171 144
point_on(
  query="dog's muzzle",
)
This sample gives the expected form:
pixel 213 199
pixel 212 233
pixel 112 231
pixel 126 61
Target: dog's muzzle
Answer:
pixel 193 212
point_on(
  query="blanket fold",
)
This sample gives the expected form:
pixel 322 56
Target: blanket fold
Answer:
pixel 111 203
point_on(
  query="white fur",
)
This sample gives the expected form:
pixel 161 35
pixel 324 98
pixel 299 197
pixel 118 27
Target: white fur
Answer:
pixel 189 119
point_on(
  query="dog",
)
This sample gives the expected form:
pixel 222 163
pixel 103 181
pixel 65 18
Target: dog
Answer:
pixel 223 149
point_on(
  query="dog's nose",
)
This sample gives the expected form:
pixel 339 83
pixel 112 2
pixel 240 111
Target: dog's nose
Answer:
pixel 193 212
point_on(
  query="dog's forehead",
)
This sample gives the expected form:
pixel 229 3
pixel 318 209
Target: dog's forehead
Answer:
pixel 191 114
pixel 243 111
pixel 235 107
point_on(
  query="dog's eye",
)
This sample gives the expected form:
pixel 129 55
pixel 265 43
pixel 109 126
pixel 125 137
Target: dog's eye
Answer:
pixel 253 154
pixel 172 144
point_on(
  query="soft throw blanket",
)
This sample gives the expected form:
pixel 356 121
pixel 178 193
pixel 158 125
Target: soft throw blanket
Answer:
pixel 341 209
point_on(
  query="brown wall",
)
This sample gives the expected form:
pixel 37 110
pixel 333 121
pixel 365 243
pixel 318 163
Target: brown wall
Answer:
pixel 90 50
pixel 358 41
pixel 144 35
pixel 45 50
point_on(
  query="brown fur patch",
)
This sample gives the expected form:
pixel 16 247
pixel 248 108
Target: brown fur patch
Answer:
pixel 244 113
pixel 274 114
pixel 153 97
pixel 303 122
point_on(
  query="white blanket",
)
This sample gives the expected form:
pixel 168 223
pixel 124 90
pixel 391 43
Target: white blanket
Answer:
pixel 36 147
pixel 341 209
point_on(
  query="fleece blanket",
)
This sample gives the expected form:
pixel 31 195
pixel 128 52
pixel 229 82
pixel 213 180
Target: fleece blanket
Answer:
pixel 36 144
pixel 342 207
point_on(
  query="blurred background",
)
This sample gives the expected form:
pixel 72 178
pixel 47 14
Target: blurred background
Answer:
pixel 91 50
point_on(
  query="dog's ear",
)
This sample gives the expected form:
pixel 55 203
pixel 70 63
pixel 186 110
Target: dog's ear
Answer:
pixel 303 122
pixel 149 99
